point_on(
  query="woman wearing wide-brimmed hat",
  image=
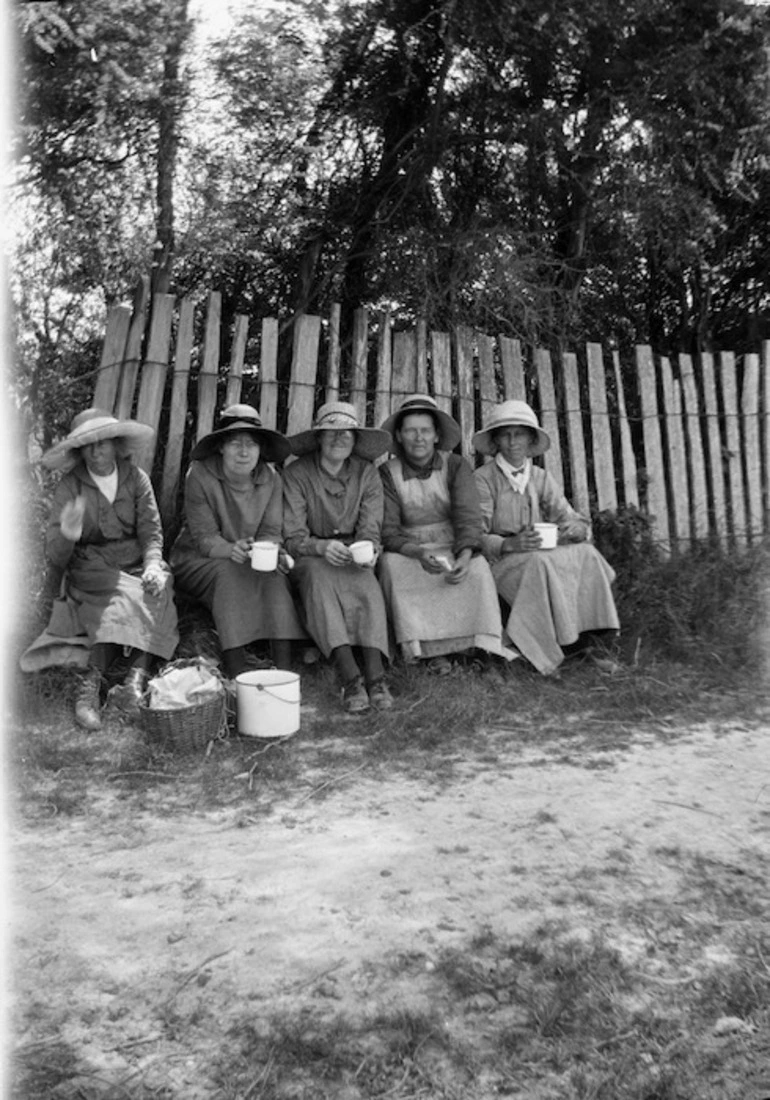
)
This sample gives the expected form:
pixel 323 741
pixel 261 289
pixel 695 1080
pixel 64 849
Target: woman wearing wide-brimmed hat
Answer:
pixel 333 498
pixel 105 534
pixel 437 584
pixel 233 497
pixel 555 595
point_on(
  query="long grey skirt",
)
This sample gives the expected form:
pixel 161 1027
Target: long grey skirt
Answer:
pixel 343 605
pixel 246 606
pixel 554 596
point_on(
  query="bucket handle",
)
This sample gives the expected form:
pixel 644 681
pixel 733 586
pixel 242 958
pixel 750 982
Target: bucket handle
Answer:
pixel 280 698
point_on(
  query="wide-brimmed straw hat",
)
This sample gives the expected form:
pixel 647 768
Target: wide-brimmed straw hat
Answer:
pixel 337 416
pixel 509 414
pixel 274 447
pixel 449 433
pixel 92 426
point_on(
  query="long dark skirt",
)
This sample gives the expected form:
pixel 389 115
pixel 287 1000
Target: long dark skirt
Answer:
pixel 343 605
pixel 246 606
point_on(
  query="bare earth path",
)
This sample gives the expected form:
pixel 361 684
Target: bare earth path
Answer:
pixel 144 941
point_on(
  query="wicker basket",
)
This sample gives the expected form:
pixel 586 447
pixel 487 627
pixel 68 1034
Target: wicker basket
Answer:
pixel 186 729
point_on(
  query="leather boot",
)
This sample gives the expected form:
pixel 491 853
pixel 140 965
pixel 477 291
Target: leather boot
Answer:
pixel 130 693
pixel 87 701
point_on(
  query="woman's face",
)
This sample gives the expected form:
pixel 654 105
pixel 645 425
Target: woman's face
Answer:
pixel 240 454
pixel 100 457
pixel 514 443
pixel 418 437
pixel 336 446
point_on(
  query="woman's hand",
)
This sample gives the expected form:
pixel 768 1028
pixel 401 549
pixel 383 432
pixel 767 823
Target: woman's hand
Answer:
pixel 337 553
pixel 241 551
pixel 462 565
pixel 575 530
pixel 526 540
pixel 430 562
pixel 154 578
pixel 71 519
pixel 285 561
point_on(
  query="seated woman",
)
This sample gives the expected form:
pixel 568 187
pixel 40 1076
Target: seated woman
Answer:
pixel 554 595
pixel 105 534
pixel 437 584
pixel 332 498
pixel 232 497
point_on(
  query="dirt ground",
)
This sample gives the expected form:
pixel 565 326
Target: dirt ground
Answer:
pixel 143 942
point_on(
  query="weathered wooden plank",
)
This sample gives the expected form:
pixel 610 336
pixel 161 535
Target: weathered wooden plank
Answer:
pixel 677 457
pixel 421 382
pixel 111 362
pixel 441 360
pixel 304 369
pixel 333 359
pixel 154 369
pixel 360 360
pixel 404 367
pixel 133 353
pixel 727 375
pixel 628 458
pixel 268 373
pixel 172 460
pixel 576 446
pixel 237 353
pixel 209 368
pixel 601 435
pixel 751 447
pixel 699 494
pixel 716 465
pixel 487 380
pixel 464 352
pixel 657 506
pixel 548 413
pixel 514 387
pixel 765 432
pixel 384 382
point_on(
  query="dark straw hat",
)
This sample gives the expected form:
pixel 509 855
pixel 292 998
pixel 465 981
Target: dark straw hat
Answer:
pixel 336 416
pixel 449 433
pixel 243 418
pixel 92 426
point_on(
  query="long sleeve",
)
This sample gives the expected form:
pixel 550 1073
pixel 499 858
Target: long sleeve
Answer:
pixel 467 517
pixel 59 549
pixel 393 535
pixel 318 507
pixel 149 529
pixel 201 514
pixel 491 541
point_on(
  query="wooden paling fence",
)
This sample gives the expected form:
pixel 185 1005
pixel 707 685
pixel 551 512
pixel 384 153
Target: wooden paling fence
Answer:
pixel 686 440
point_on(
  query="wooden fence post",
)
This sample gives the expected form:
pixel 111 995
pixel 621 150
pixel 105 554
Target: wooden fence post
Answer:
pixel 514 387
pixel 237 352
pixel 172 461
pixel 733 444
pixel 601 437
pixel 657 507
pixel 153 381
pixel 630 486
pixel 384 369
pixel 699 496
pixel 464 354
pixel 442 370
pixel 677 459
pixel 209 368
pixel 304 367
pixel 133 353
pixel 576 447
pixel 548 416
pixel 111 363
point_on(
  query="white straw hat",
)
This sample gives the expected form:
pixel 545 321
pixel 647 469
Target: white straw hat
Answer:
pixel 337 416
pixel 92 426
pixel 509 414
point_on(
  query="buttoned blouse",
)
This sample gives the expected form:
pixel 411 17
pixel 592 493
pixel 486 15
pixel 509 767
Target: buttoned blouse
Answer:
pixel 319 506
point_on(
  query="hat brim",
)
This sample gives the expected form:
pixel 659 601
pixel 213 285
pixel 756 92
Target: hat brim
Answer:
pixel 274 447
pixel 60 456
pixel 370 442
pixel 448 431
pixel 482 441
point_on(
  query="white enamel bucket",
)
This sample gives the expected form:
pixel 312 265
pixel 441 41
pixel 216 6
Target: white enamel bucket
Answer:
pixel 267 703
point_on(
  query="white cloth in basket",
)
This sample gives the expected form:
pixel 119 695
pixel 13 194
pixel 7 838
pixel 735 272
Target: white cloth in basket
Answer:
pixel 183 687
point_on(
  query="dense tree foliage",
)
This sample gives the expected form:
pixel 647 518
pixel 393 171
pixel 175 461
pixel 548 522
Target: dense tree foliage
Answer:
pixel 553 170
